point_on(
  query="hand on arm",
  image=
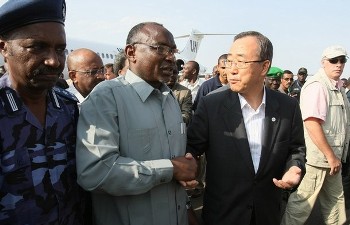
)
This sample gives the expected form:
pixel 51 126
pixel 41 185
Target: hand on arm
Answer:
pixel 290 179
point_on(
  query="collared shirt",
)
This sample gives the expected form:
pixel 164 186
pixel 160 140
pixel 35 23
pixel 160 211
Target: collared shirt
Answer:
pixel 193 87
pixel 315 100
pixel 317 105
pixel 127 133
pixel 37 170
pixel 253 121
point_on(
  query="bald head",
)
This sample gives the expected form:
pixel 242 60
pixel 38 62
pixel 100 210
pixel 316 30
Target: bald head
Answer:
pixel 82 58
pixel 85 69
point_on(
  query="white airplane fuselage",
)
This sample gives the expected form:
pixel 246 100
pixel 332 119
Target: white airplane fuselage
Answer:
pixel 107 52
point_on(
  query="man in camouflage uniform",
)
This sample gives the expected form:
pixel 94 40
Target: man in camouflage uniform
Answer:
pixel 37 123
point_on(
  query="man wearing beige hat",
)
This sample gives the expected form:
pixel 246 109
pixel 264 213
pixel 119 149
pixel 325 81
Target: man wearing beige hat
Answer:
pixel 326 116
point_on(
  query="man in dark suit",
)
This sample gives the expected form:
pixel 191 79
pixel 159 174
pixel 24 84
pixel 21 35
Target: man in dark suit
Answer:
pixel 252 137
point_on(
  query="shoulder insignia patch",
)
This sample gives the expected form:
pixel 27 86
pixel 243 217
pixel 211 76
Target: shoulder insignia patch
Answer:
pixel 10 100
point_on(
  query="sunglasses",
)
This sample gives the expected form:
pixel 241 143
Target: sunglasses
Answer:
pixel 342 60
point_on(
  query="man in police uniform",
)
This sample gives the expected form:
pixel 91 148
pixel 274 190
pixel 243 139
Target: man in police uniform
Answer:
pixel 38 123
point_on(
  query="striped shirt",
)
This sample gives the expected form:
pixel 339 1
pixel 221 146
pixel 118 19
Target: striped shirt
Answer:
pixel 253 121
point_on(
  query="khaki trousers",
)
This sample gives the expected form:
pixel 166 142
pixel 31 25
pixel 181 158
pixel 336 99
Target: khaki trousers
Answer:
pixel 317 184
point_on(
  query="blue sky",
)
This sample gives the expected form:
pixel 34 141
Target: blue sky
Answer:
pixel 299 29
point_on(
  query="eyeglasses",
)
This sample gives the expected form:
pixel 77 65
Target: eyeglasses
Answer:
pixel 92 72
pixel 160 49
pixel 342 60
pixel 239 64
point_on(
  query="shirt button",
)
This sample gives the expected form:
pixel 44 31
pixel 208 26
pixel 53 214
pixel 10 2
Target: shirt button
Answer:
pixel 169 132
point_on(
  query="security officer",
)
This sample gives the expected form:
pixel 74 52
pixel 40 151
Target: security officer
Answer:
pixel 38 122
pixel 296 86
pixel 273 78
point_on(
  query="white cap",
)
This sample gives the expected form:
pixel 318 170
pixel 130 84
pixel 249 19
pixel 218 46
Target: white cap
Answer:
pixel 334 51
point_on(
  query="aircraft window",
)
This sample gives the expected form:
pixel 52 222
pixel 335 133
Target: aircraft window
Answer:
pixel 107 56
pixel 103 55
pixel 111 56
pixel 71 50
pixel 98 53
pixel 66 51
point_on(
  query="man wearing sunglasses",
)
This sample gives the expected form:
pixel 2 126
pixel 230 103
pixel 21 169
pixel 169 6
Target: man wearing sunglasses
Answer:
pixel 325 111
pixel 286 81
pixel 86 70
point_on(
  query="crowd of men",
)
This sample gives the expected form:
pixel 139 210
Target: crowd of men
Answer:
pixel 129 143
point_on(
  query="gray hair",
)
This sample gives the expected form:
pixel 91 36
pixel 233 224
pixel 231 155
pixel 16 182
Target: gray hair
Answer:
pixel 266 48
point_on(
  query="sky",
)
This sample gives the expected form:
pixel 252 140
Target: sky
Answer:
pixel 299 29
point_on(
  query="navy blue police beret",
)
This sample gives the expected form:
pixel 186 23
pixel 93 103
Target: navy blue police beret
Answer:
pixel 19 13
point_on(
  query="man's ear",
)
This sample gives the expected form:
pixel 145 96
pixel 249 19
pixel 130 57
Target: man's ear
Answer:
pixel 266 67
pixel 72 75
pixel 130 53
pixel 3 48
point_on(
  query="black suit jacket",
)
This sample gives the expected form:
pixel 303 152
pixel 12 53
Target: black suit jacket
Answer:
pixel 233 190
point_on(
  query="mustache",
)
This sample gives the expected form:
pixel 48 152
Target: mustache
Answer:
pixel 46 70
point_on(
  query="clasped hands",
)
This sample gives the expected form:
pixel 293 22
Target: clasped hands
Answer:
pixel 185 168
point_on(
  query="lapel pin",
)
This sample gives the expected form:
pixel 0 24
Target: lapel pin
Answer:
pixel 273 119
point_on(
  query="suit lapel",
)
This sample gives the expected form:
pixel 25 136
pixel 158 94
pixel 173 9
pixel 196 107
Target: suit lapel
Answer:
pixel 271 123
pixel 234 122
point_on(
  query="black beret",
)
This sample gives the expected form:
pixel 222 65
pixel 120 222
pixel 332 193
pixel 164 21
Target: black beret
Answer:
pixel 19 13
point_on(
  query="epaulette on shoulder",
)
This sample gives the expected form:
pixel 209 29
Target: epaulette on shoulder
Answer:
pixel 65 94
pixel 10 100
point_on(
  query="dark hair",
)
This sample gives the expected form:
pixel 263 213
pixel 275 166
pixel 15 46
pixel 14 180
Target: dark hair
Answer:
pixel 196 65
pixel 134 33
pixel 266 48
pixel 119 61
pixel 223 56
pixel 179 64
pixel 287 72
pixel 110 65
